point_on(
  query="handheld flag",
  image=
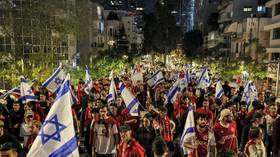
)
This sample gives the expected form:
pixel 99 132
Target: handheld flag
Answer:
pixel 26 93
pixel 155 79
pixel 88 83
pixel 189 131
pixel 53 83
pixel 173 92
pixel 219 90
pixel 57 136
pixel 204 79
pixel 130 101
pixel 112 96
pixel 250 92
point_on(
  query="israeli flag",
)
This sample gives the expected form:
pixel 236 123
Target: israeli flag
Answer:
pixel 112 96
pixel 189 130
pixel 188 76
pixel 88 83
pixel 130 101
pixel 204 79
pixel 54 82
pixel 57 136
pixel 250 92
pixel 173 92
pixel 155 79
pixel 219 90
pixel 26 93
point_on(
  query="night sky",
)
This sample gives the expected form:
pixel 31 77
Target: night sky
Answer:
pixel 149 6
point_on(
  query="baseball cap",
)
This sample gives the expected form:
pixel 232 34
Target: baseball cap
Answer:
pixel 224 113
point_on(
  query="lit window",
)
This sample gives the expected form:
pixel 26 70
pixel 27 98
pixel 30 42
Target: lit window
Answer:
pixel 247 9
pixel 261 9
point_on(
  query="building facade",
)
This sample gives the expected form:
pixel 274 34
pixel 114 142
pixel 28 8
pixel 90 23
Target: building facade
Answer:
pixel 30 28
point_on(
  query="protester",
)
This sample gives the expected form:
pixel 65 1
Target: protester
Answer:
pixel 204 141
pixel 129 147
pixel 225 132
pixel 255 146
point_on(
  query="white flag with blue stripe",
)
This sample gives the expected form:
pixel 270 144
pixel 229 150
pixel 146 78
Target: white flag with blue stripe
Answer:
pixel 189 130
pixel 112 96
pixel 204 79
pixel 54 82
pixel 173 92
pixel 26 93
pixel 219 90
pixel 131 102
pixel 88 83
pixel 57 137
pixel 155 79
pixel 250 92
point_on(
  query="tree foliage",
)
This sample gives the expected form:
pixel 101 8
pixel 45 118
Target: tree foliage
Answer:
pixel 192 41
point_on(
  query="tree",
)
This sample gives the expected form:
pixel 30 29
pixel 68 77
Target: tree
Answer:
pixel 192 41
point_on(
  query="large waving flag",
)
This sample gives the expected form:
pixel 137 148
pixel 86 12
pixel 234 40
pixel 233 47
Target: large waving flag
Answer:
pixel 54 82
pixel 155 79
pixel 131 102
pixel 88 83
pixel 250 92
pixel 219 90
pixel 173 92
pixel 189 131
pixel 112 96
pixel 204 79
pixel 26 93
pixel 57 136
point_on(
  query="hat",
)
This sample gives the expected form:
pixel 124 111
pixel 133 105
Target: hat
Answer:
pixel 125 128
pixel 224 113
pixel 256 115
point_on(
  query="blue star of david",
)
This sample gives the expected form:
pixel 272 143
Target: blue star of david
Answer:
pixel 58 81
pixel 29 91
pixel 54 136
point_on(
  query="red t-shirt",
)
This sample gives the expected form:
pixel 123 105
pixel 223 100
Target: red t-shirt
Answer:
pixel 226 137
pixel 202 138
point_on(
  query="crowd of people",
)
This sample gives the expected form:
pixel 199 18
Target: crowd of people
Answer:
pixel 224 127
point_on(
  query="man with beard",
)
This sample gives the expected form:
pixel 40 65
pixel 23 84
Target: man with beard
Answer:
pixel 225 132
pixel 104 138
pixel 204 141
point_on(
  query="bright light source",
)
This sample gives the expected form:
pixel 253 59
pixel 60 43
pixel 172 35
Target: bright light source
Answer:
pixel 174 12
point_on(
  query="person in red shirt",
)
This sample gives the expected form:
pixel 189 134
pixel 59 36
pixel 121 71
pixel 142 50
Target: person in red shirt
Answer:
pixel 225 132
pixel 129 147
pixel 206 109
pixel 204 141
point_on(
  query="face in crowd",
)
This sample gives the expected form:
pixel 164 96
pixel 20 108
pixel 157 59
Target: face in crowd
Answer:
pixel 16 107
pixel 202 122
pixel 103 112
